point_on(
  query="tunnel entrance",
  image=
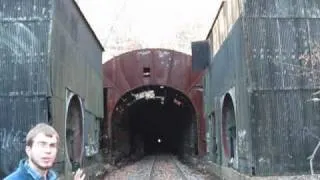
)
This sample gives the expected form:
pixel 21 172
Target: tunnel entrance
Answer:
pixel 154 119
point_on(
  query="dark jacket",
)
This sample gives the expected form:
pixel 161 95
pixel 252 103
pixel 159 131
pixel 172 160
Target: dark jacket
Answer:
pixel 24 172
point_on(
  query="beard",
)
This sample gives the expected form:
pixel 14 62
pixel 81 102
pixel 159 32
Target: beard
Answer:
pixel 39 166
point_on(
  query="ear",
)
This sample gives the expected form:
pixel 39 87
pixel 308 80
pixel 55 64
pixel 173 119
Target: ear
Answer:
pixel 28 151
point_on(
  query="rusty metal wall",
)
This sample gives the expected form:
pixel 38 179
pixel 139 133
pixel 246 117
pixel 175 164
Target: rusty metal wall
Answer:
pixel 76 58
pixel 24 28
pixel 271 59
pixel 125 72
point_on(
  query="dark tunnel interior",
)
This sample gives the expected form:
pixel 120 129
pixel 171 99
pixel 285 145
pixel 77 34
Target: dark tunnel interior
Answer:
pixel 160 126
pixel 157 120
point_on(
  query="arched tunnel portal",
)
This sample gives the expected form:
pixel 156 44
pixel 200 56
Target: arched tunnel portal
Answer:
pixel 153 103
pixel 154 119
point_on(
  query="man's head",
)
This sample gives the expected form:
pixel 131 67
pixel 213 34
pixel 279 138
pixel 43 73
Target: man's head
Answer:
pixel 42 146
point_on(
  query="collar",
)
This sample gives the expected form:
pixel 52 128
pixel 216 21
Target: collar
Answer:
pixel 51 175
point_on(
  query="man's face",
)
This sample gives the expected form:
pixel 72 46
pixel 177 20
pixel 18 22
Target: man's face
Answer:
pixel 43 151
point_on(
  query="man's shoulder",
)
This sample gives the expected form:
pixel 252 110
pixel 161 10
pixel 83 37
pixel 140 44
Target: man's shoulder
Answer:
pixel 18 174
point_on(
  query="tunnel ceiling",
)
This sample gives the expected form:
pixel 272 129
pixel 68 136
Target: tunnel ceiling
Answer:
pixel 142 68
pixel 157 94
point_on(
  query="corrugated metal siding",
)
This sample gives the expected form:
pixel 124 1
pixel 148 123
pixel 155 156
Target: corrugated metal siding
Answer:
pixel 273 63
pixel 225 63
pixel 275 46
pixel 24 28
pixel 25 10
pixel 17 115
pixel 77 56
pixel 281 39
pixel 283 8
pixel 26 72
pixel 274 8
pixel 285 131
pixel 24 62
pixel 227 70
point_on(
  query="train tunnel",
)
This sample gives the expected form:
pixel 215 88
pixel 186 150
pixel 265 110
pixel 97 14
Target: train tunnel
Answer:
pixel 153 102
pixel 154 119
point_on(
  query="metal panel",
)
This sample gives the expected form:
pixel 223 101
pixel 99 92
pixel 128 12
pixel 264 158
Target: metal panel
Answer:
pixel 311 57
pixel 201 55
pixel 225 62
pixel 312 8
pixel 25 10
pixel 286 130
pixel 284 74
pixel 227 70
pixel 274 8
pixel 76 55
pixel 271 58
pixel 29 79
pixel 283 8
pixel 75 64
pixel 24 64
pixel 275 46
pixel 79 32
pixel 17 115
pixel 264 46
pixel 24 29
pixel 293 39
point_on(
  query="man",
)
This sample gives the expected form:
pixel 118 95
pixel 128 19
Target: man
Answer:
pixel 42 143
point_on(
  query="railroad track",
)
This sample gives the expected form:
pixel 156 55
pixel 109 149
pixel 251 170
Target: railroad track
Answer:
pixel 157 167
pixel 152 167
pixel 166 167
pixel 182 173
